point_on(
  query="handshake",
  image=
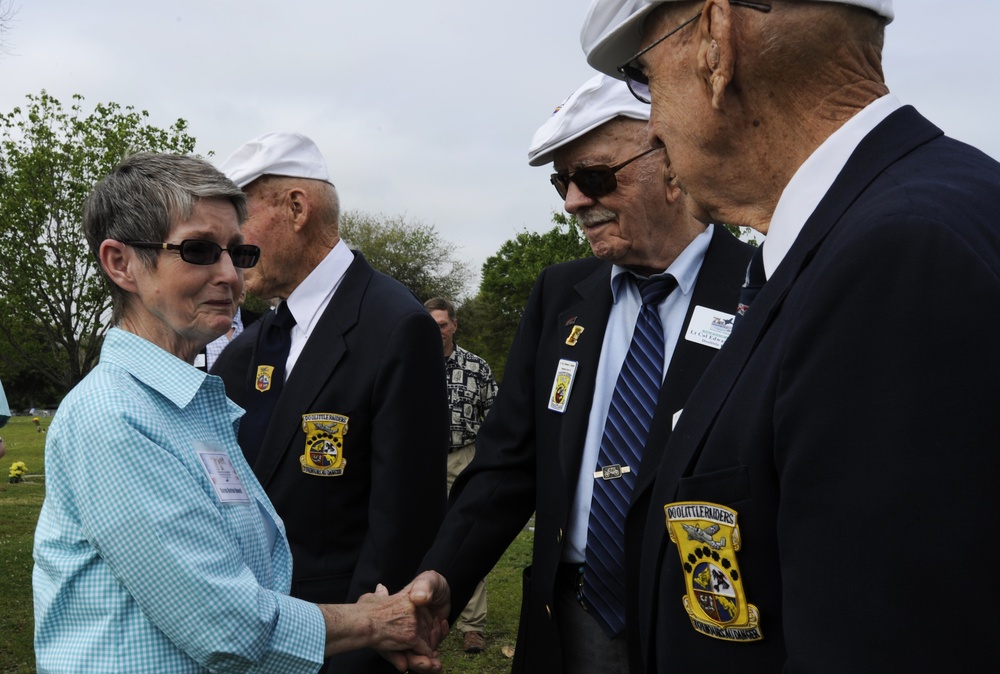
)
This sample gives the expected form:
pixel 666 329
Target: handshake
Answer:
pixel 405 628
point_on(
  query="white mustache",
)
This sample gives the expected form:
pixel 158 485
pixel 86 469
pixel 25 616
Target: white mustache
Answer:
pixel 597 215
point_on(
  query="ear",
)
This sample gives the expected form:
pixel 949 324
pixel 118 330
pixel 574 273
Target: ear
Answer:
pixel 716 46
pixel 119 263
pixel 671 190
pixel 299 207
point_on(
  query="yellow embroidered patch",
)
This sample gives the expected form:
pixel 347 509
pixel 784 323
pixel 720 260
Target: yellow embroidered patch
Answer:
pixel 707 538
pixel 324 450
pixel 265 375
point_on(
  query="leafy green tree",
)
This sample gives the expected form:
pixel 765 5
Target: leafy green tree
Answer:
pixel 50 285
pixel 488 322
pixel 411 252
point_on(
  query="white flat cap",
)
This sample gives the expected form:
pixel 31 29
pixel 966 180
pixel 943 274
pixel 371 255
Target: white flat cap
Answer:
pixel 612 30
pixel 599 100
pixel 280 153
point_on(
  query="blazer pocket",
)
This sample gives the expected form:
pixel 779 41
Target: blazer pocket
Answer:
pixel 725 487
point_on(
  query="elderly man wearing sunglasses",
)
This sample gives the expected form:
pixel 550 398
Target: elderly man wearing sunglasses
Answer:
pixel 561 439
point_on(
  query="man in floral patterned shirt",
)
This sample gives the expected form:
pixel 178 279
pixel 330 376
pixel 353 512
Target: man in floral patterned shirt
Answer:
pixel 471 390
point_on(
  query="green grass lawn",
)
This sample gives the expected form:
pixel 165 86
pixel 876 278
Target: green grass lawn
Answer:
pixel 19 507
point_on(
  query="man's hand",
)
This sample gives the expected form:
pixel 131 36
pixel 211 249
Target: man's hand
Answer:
pixel 387 623
pixel 431 597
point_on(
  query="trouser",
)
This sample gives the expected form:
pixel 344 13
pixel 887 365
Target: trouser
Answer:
pixel 473 617
pixel 586 647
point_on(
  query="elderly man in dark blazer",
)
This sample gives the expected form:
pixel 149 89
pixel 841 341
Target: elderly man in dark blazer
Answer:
pixel 347 417
pixel 542 446
pixel 811 510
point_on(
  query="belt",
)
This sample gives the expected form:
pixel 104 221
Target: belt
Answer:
pixel 571 573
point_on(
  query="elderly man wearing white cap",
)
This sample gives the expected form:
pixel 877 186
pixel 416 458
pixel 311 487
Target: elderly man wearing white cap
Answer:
pixel 607 351
pixel 797 517
pixel 347 417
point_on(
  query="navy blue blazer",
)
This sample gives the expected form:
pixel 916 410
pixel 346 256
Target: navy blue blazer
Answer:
pixel 849 429
pixel 374 357
pixel 528 457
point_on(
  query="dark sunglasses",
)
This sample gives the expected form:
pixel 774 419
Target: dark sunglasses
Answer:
pixel 593 181
pixel 200 251
pixel 637 81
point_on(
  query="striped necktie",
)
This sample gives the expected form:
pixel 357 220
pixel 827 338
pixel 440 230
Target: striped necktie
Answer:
pixel 629 417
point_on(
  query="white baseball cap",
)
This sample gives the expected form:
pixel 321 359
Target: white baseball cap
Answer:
pixel 279 153
pixel 599 100
pixel 612 30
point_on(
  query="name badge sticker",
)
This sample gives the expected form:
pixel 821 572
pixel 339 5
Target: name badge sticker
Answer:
pixel 562 385
pixel 222 474
pixel 709 327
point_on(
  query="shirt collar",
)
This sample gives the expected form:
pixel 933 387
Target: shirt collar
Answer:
pixel 160 370
pixel 684 268
pixel 311 296
pixel 816 176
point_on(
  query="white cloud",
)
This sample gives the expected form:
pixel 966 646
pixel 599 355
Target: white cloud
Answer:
pixel 421 108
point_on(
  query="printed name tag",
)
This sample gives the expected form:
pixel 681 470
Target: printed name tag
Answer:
pixel 562 385
pixel 221 473
pixel 710 327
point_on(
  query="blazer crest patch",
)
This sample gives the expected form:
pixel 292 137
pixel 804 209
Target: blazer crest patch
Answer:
pixel 708 538
pixel 265 375
pixel 324 450
pixel 574 335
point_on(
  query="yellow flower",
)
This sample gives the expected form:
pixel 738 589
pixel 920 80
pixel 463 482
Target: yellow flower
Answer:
pixel 17 471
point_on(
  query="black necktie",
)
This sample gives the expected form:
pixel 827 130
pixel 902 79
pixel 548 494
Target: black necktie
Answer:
pixel 269 377
pixel 755 280
pixel 629 417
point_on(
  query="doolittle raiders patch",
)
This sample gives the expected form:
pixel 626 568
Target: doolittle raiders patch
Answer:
pixel 324 451
pixel 707 539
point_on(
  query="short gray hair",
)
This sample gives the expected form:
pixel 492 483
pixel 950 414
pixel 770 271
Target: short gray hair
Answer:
pixel 144 196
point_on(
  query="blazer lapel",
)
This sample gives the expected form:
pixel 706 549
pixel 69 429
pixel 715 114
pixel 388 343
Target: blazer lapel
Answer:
pixel 314 367
pixel 591 313
pixel 714 289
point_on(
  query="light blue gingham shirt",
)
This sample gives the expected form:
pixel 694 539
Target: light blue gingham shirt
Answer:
pixel 139 566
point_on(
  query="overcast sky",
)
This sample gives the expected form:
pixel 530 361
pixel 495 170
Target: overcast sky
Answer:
pixel 421 108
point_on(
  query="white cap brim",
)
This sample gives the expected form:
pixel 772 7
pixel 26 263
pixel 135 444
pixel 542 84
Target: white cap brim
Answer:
pixel 599 100
pixel 280 153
